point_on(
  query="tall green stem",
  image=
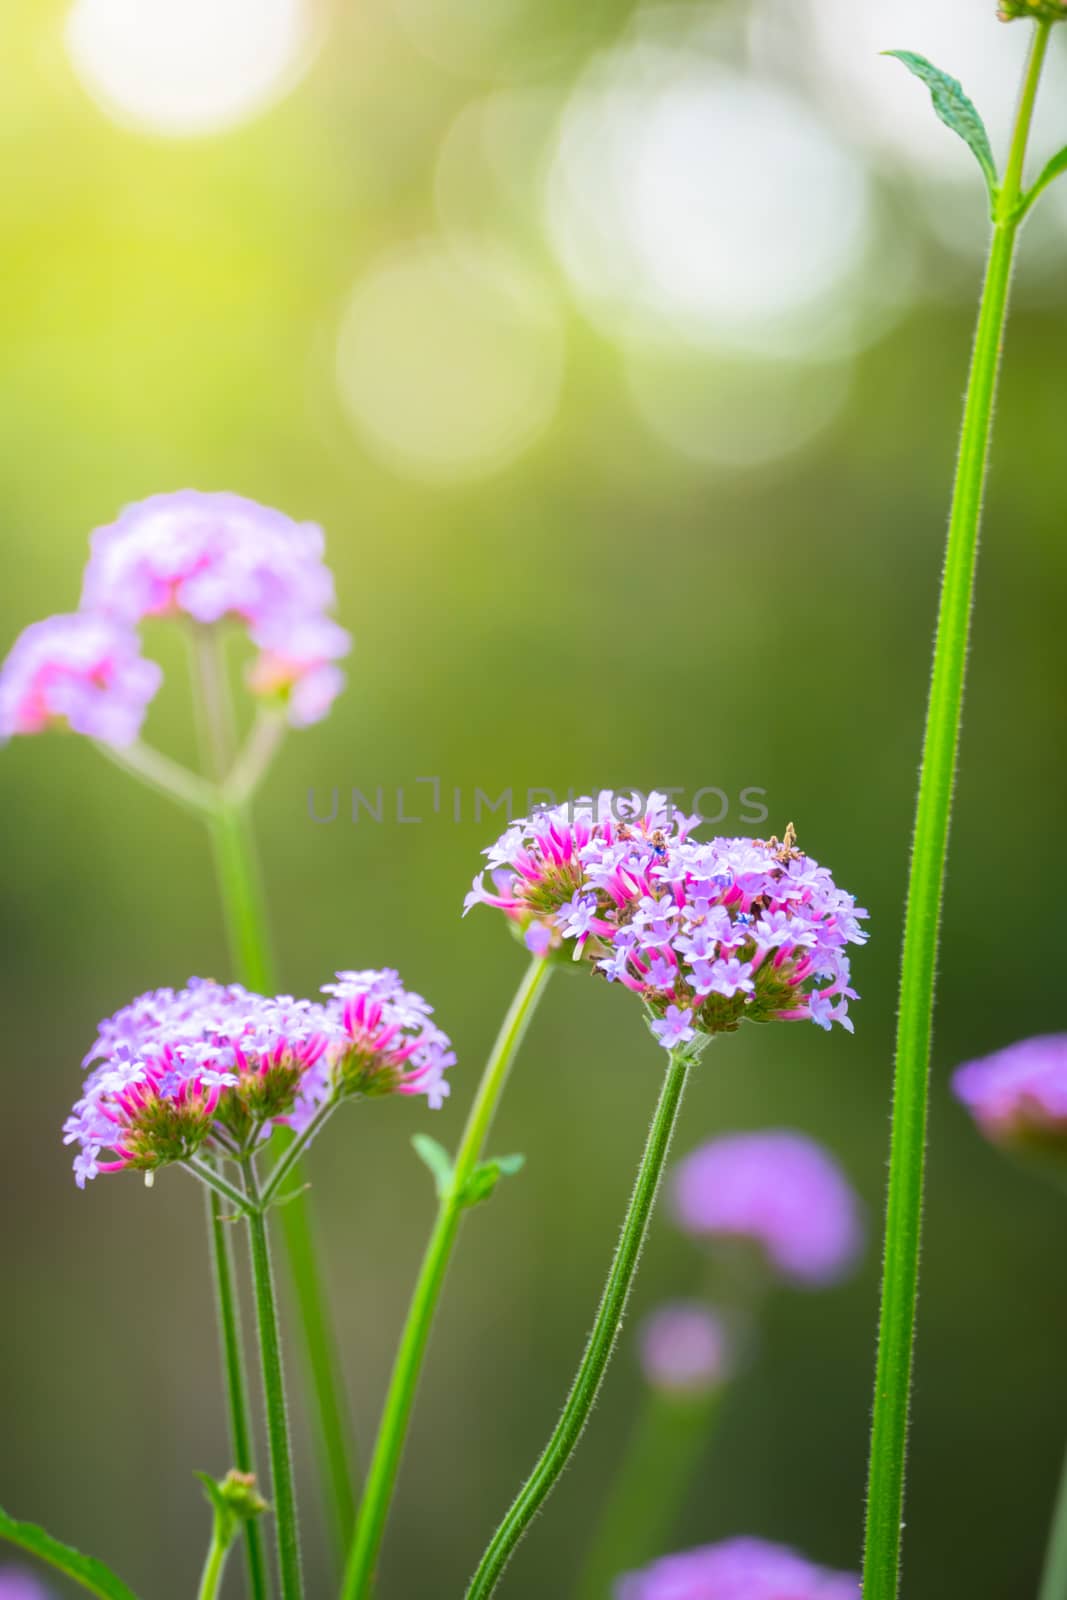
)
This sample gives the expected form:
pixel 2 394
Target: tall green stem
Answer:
pixel 392 1430
pixel 598 1350
pixel 646 1496
pixel 885 1492
pixel 1054 1576
pixel 244 908
pixel 270 1355
pixel 236 1390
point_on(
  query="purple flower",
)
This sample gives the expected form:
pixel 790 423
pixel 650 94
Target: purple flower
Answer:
pixel 1018 1096
pixel 219 1065
pixel 720 931
pixel 685 1349
pixel 18 1584
pixel 217 556
pixel 782 1192
pixel 386 1040
pixel 737 1569
pixel 82 672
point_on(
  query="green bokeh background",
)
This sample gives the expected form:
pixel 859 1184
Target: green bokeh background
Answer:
pixel 601 612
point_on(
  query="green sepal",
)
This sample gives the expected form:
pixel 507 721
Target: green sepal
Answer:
pixel 234 1499
pixel 955 110
pixel 87 1571
pixel 485 1177
pixel 437 1158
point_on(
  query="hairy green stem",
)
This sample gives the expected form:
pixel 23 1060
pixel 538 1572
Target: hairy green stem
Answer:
pixel 289 1157
pixel 648 1491
pixel 241 1446
pixel 244 909
pixel 598 1350
pixel 885 1491
pixel 283 1493
pixel 396 1414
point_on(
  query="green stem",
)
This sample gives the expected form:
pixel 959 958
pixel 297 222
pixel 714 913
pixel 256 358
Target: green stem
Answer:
pixel 241 1446
pixel 1054 1576
pixel 163 775
pixel 283 1493
pixel 598 1350
pixel 885 1494
pixel 648 1491
pixel 244 908
pixel 396 1414
pixel 214 1566
pixel 289 1158
pixel 219 1185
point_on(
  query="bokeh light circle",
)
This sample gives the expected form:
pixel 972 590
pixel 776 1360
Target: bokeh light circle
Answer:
pixel 187 67
pixel 450 361
pixel 693 195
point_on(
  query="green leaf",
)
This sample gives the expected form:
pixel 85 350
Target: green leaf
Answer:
pixel 1049 172
pixel 485 1177
pixel 437 1158
pixel 955 110
pixel 86 1570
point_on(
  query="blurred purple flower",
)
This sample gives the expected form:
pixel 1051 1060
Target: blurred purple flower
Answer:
pixel 1018 1096
pixel 685 1349
pixel 779 1190
pixel 737 1569
pixel 707 933
pixel 16 1583
pixel 217 556
pixel 83 672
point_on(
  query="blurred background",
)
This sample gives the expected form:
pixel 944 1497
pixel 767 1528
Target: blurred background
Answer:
pixel 619 350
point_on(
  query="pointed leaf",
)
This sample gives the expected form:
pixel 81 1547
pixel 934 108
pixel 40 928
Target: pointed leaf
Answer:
pixel 509 1165
pixel 485 1177
pixel 1049 172
pixel 955 110
pixel 86 1570
pixel 437 1158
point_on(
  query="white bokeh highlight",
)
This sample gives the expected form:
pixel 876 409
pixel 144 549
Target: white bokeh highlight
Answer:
pixel 187 67
pixel 449 361
pixel 693 196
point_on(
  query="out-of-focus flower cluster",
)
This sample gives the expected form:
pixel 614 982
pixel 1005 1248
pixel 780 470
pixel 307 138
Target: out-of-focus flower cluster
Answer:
pixel 776 1190
pixel 219 1065
pixel 737 1569
pixel 686 1350
pixel 212 558
pixel 707 933
pixel 1018 1096
pixel 18 1584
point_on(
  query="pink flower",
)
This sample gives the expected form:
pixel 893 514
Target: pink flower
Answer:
pixel 685 1349
pixel 80 671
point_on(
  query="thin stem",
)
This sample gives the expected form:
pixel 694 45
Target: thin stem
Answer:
pixel 403 1383
pixel 241 1447
pixel 885 1493
pixel 1054 1576
pixel 253 762
pixel 213 1569
pixel 160 773
pixel 598 1350
pixel 216 1182
pixel 244 908
pixel 646 1496
pixel 290 1156
pixel 281 1460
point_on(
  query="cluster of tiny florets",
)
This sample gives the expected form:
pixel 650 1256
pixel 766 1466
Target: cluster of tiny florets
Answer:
pixel 1018 1095
pixel 738 1569
pixel 219 1065
pixel 210 558
pixel 707 933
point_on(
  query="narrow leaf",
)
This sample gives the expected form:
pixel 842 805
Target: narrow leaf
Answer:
pixel 509 1165
pixel 437 1158
pixel 955 110
pixel 485 1177
pixel 86 1570
pixel 1049 172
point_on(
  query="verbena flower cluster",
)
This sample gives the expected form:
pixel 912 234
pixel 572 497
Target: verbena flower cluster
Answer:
pixel 738 1569
pixel 686 1350
pixel 1018 1096
pixel 18 1584
pixel 707 933
pixel 209 557
pixel 209 1063
pixel 779 1191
